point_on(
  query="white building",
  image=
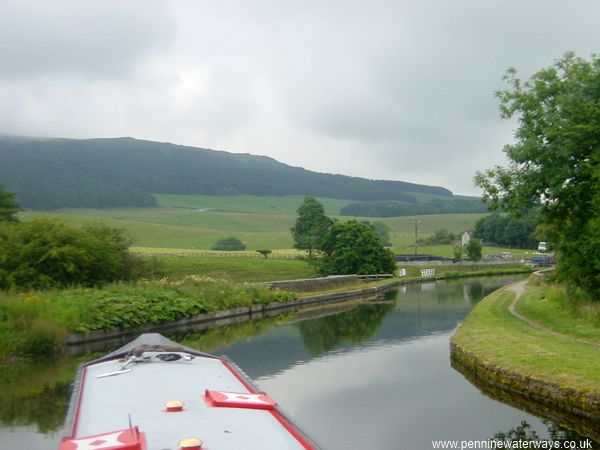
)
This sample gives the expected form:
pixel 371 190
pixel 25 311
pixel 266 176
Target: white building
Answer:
pixel 466 238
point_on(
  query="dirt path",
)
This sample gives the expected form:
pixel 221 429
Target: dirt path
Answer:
pixel 518 289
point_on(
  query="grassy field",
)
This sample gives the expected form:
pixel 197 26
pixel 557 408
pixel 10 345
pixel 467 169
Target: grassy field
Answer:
pixel 237 269
pixel 247 203
pixel 188 223
pixel 192 229
pixel 499 338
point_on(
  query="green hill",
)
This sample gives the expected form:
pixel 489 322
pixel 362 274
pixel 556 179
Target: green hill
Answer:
pixel 101 173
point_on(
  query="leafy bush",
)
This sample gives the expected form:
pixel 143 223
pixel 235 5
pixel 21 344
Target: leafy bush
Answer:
pixel 440 237
pixel 48 253
pixel 230 244
pixel 473 250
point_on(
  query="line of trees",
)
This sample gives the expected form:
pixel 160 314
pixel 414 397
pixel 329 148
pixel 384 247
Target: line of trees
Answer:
pixel 506 230
pixel 407 207
pixel 54 173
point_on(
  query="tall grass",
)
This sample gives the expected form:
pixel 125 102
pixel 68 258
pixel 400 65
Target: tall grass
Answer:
pixel 35 324
pixel 24 328
pixel 556 307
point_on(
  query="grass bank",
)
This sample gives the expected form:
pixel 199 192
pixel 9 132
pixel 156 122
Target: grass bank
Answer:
pixel 547 361
pixel 35 324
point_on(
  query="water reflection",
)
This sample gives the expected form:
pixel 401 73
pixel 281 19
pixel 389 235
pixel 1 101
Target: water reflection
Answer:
pixel 352 327
pixel 559 437
pixel 35 394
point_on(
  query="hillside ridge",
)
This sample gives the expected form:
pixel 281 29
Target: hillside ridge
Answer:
pixel 48 173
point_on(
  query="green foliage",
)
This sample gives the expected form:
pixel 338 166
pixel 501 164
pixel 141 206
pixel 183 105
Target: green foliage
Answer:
pixel 101 173
pixel 48 253
pixel 555 162
pixel 457 252
pixel 8 206
pixel 35 324
pixel 311 226
pixel 410 206
pixel 507 230
pixel 352 247
pixel 382 230
pixel 473 250
pixel 440 237
pixel 24 330
pixel 150 303
pixel 229 244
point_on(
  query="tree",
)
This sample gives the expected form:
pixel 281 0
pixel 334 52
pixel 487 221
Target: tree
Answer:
pixel 265 252
pixel 506 230
pixel 382 230
pixel 229 244
pixel 555 162
pixel 352 247
pixel 8 206
pixel 311 226
pixel 440 237
pixel 473 250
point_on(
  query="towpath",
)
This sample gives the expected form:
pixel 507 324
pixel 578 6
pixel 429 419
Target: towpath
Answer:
pixel 518 289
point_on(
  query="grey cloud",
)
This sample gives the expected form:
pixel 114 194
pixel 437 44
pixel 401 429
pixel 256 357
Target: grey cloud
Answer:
pixel 92 38
pixel 382 89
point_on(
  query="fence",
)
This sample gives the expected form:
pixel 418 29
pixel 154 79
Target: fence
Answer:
pixel 460 263
pixel 233 255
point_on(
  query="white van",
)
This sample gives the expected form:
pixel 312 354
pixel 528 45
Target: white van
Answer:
pixel 543 247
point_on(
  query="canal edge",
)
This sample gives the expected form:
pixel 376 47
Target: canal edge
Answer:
pixel 97 339
pixel 486 376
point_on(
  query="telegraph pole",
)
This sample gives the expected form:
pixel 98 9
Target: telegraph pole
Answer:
pixel 416 222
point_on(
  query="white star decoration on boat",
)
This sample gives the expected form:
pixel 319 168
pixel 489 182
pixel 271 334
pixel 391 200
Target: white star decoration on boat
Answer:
pixel 99 442
pixel 244 398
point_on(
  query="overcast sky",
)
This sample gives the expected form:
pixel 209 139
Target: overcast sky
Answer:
pixel 400 90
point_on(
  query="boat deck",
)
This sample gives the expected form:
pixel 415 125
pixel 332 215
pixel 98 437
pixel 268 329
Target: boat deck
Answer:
pixel 109 403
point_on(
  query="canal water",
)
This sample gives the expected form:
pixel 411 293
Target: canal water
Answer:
pixel 373 376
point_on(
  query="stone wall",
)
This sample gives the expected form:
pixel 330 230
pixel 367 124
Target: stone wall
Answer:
pixel 313 284
pixel 562 398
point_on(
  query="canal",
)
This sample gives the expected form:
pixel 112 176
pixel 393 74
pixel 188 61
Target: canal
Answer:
pixel 375 375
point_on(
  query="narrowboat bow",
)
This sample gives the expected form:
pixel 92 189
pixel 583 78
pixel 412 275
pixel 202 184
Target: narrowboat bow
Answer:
pixel 154 394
